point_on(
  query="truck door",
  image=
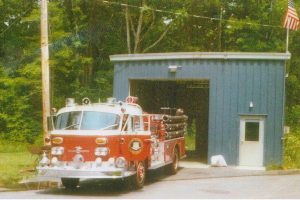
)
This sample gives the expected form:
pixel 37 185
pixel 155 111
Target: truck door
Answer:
pixel 135 145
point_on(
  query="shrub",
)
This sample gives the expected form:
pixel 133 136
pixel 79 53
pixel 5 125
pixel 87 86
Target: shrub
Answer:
pixel 292 150
pixel 293 116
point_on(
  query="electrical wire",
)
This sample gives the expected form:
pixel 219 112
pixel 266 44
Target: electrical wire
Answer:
pixel 191 15
pixel 15 20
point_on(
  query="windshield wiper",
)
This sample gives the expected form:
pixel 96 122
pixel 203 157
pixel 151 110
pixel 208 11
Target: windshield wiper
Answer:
pixel 110 126
pixel 71 126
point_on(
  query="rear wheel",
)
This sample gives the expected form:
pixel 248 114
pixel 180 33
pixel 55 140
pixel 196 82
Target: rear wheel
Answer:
pixel 173 168
pixel 138 179
pixel 70 183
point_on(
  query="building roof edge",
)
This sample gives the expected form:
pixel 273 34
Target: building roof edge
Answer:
pixel 201 55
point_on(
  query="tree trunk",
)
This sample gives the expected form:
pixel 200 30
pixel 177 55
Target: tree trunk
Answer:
pixel 158 40
pixel 138 32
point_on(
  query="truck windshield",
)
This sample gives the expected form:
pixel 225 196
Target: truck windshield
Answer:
pixel 87 120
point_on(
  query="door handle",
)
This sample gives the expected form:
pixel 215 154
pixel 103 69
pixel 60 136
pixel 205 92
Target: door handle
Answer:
pixel 148 140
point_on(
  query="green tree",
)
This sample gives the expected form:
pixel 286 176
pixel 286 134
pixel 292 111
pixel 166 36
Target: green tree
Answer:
pixel 84 33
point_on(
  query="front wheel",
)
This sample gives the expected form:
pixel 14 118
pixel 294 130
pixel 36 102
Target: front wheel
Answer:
pixel 70 183
pixel 138 179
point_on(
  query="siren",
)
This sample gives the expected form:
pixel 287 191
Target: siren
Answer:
pixel 86 101
pixel 70 102
pixel 111 100
pixel 131 99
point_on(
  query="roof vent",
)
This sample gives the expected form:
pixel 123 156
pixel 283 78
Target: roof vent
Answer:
pixel 111 100
pixel 86 101
pixel 70 102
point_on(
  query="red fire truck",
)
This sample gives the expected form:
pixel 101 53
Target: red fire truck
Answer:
pixel 112 140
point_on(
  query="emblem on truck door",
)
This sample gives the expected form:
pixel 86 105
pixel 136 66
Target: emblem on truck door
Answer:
pixel 135 146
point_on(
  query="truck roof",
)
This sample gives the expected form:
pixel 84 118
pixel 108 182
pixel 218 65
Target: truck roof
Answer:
pixel 116 108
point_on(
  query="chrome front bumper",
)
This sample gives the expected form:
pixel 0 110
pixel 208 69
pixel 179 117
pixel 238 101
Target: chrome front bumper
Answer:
pixel 89 173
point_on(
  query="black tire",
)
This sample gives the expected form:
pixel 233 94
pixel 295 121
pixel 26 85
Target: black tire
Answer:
pixel 173 167
pixel 70 183
pixel 119 184
pixel 138 179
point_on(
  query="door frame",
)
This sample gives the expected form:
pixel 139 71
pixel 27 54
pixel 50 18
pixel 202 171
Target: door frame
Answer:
pixel 261 119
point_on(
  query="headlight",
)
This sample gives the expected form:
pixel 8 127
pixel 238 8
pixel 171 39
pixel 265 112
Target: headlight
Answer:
pixel 54 161
pixel 98 162
pixel 44 161
pixel 57 151
pixel 120 162
pixel 111 161
pixel 101 151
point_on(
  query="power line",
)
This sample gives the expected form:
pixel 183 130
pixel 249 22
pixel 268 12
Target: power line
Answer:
pixel 190 15
pixel 15 20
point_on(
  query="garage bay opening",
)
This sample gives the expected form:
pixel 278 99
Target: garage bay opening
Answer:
pixel 190 95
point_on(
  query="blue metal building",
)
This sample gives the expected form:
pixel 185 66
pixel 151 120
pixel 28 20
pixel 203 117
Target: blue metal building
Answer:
pixel 236 98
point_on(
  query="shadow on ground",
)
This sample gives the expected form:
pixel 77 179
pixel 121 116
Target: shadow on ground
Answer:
pixel 107 188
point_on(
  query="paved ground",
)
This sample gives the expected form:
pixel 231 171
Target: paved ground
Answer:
pixel 188 183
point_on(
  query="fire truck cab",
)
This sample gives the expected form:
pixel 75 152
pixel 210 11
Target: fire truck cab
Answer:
pixel 112 140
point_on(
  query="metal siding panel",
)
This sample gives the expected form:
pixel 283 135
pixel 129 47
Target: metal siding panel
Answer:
pixel 182 64
pixel 242 87
pixel 202 69
pixel 164 70
pixel 133 70
pixel 205 69
pixel 115 81
pixel 212 150
pixel 172 75
pixel 219 108
pixel 264 88
pixel 139 69
pixel 277 142
pixel 283 65
pixel 256 88
pixel 185 71
pixel 264 99
pixel 159 70
pixel 187 68
pixel 226 139
pixel 233 115
pixel 125 81
pixel 269 134
pixel 199 69
pixel 121 82
pixel 249 86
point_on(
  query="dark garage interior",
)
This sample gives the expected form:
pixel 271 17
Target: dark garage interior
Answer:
pixel 190 95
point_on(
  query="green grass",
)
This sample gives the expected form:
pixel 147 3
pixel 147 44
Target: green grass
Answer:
pixel 15 163
pixel 10 147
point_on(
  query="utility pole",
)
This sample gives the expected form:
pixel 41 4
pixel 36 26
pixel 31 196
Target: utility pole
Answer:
pixel 45 66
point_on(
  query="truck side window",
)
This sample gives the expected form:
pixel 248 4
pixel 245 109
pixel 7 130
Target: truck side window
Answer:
pixel 137 123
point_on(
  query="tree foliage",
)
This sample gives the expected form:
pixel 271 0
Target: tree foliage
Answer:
pixel 83 33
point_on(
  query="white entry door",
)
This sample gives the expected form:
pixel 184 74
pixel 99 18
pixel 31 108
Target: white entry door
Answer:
pixel 252 141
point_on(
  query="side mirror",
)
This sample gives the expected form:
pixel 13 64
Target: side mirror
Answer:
pixel 53 111
pixel 50 122
pixel 51 119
